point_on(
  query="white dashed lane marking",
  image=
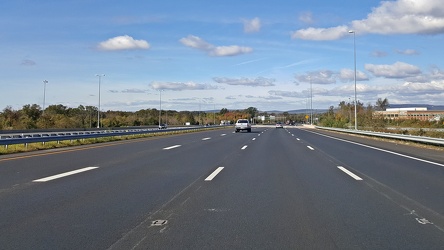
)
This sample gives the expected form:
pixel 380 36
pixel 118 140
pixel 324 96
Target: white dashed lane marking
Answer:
pixel 50 178
pixel 350 173
pixel 175 146
pixel 212 175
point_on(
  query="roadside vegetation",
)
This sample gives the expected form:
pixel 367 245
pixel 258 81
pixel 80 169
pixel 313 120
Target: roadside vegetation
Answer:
pixel 342 116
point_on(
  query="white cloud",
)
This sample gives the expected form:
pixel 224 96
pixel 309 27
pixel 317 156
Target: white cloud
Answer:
pixel 252 26
pixel 259 81
pixel 348 75
pixel 320 34
pixel 396 70
pixel 179 86
pixel 306 17
pixel 282 93
pixel 28 62
pixel 391 17
pixel 407 52
pixel 318 77
pixel 198 43
pixel 229 50
pixel 123 43
pixel 378 53
pixel 134 91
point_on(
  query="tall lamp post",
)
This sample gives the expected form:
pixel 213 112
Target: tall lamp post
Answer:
pixel 311 101
pixel 44 94
pixel 354 53
pixel 98 111
pixel 160 107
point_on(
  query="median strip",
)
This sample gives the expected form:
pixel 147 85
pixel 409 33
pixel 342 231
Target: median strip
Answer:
pixel 350 173
pixel 212 175
pixel 50 178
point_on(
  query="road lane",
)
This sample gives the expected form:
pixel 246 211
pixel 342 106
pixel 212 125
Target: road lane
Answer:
pixel 92 210
pixel 416 179
pixel 290 197
pixel 277 193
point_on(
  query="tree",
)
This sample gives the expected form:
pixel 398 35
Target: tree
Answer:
pixel 381 104
pixel 252 111
pixel 223 111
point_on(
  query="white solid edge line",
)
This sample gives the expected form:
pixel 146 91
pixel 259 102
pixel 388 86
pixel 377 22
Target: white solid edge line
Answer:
pixel 175 146
pixel 380 149
pixel 350 173
pixel 50 178
pixel 244 147
pixel 212 175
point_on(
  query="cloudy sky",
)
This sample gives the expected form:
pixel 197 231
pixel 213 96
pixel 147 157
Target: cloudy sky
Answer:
pixel 233 54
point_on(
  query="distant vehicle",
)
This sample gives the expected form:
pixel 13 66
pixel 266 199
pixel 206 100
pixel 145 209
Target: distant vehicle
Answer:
pixel 279 125
pixel 242 124
pixel 163 126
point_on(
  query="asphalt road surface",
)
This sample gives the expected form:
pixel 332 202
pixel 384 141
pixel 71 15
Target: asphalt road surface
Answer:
pixel 288 188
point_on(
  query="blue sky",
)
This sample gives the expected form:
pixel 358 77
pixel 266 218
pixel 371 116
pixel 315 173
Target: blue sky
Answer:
pixel 220 54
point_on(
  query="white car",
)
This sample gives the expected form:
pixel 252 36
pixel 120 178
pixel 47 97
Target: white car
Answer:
pixel 279 125
pixel 242 124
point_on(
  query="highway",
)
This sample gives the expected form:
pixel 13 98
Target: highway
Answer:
pixel 291 188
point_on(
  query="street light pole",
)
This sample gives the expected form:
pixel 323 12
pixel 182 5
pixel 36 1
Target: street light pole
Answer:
pixel 354 53
pixel 98 111
pixel 311 101
pixel 160 107
pixel 44 94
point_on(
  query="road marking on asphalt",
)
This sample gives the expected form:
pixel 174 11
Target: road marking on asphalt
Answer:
pixel 380 149
pixel 223 134
pixel 310 148
pixel 244 147
pixel 207 138
pixel 175 146
pixel 253 139
pixel 350 173
pixel 298 139
pixel 212 175
pixel 50 178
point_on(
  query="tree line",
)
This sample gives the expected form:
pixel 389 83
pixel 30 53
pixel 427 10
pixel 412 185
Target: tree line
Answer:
pixel 31 116
pixel 342 116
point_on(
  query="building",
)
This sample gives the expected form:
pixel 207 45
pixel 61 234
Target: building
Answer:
pixel 417 113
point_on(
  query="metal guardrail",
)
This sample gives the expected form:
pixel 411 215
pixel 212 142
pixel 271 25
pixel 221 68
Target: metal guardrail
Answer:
pixel 12 139
pixel 420 139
